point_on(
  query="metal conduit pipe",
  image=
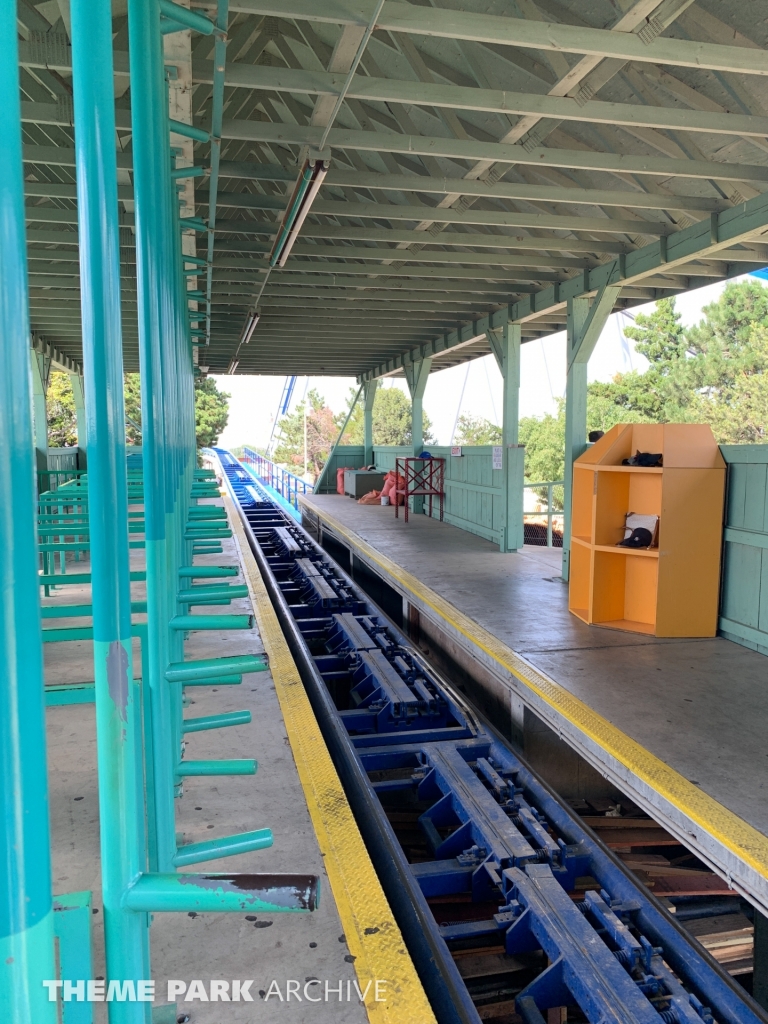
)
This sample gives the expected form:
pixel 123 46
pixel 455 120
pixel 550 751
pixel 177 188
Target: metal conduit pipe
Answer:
pixel 118 721
pixel 26 912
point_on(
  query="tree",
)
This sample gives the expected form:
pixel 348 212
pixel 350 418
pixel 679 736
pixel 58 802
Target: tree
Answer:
pixel 736 405
pixel 476 430
pixel 544 437
pixel 211 411
pixel 62 420
pixel 707 373
pixel 132 396
pixel 322 430
pixel 712 373
pixel 392 423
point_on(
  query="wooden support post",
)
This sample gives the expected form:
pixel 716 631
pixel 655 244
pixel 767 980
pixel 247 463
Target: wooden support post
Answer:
pixel 505 345
pixel 585 324
pixel 370 387
pixel 417 375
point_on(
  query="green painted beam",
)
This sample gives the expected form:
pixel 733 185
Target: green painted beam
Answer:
pixel 55 53
pixel 490 218
pixel 455 97
pixel 502 30
pixel 347 252
pixel 498 152
pixel 706 238
pixel 445 238
pixel 486 189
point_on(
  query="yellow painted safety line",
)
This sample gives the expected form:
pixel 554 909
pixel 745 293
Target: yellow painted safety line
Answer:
pixel 371 932
pixel 731 831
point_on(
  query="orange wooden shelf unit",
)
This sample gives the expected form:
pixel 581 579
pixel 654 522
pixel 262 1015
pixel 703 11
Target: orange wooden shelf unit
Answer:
pixel 671 590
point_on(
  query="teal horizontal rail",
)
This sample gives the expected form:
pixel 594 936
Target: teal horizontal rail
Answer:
pixel 207 572
pixel 74 693
pixel 200 595
pixel 57 580
pixel 230 680
pixel 227 846
pixel 232 766
pixel 186 671
pixel 212 622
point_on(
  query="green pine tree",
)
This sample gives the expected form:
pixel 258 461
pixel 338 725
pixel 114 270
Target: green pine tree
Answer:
pixel 211 411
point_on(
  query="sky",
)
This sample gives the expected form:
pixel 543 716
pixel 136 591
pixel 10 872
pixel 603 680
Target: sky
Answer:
pixel 474 388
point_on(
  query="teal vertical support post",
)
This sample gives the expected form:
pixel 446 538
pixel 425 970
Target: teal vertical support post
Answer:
pixel 79 396
pixel 41 368
pixel 121 809
pixel 26 911
pixel 417 375
pixel 584 326
pixel 506 345
pixel 72 915
pixel 370 388
pixel 152 192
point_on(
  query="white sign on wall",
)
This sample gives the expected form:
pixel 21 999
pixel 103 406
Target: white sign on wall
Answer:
pixel 498 457
pixel 456 452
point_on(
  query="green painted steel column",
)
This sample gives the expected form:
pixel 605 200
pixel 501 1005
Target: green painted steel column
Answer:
pixel 40 371
pixel 506 348
pixel 77 391
pixel 417 375
pixel 121 809
pixel 152 191
pixel 585 324
pixel 575 414
pixel 26 913
pixel 371 386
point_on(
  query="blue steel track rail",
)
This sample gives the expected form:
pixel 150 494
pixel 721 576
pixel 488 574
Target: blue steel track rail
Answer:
pixel 478 857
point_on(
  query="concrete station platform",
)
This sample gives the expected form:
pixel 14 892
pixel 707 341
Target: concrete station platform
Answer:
pixel 679 726
pixel 329 944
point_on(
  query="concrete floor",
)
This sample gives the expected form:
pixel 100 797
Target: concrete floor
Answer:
pixel 208 946
pixel 699 705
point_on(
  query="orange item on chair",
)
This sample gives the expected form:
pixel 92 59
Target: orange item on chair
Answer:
pixel 340 479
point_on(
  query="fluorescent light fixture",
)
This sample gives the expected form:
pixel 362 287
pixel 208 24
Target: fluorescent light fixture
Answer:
pixel 321 169
pixel 250 326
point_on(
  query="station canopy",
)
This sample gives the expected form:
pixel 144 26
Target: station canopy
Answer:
pixel 395 180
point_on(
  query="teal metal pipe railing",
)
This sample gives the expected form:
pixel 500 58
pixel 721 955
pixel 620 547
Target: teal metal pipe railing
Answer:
pixel 169 435
pixel 217 117
pixel 279 479
pixel 118 705
pixel 26 912
pixel 152 183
